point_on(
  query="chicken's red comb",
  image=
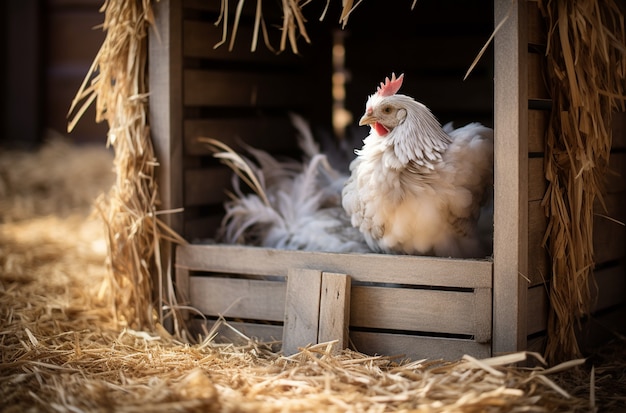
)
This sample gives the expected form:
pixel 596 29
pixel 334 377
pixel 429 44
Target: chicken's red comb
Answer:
pixel 391 86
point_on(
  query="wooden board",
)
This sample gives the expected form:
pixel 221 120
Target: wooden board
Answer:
pixel 417 310
pixel 608 289
pixel 417 347
pixel 381 268
pixel 302 310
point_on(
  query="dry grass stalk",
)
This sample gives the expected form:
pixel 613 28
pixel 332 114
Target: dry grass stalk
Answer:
pixel 292 28
pixel 62 349
pixel 586 59
pixel 117 83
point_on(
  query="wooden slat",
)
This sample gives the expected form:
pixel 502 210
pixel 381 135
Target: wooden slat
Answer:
pixel 601 328
pixel 416 347
pixel 537 183
pixel 538 266
pixel 616 175
pixel 262 133
pixel 538 305
pixel 334 309
pixel 302 309
pixel 619 130
pixel 609 290
pixel 200 38
pixel 206 186
pixel 483 310
pixel 536 82
pixel 238 298
pixel 537 126
pixel 536 24
pixel 200 230
pixel 243 89
pixel 413 310
pixel 382 268
pixel 240 332
pixel 609 232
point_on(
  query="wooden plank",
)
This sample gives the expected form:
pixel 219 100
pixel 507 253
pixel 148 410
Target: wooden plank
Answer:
pixel 22 58
pixel 539 268
pixel 511 172
pixel 237 332
pixel 616 175
pixel 244 89
pixel 618 127
pixel 536 83
pixel 417 347
pixel 260 132
pixel 599 329
pixel 413 310
pixel 537 183
pixel 609 290
pixel 537 127
pixel 200 37
pixel 538 307
pixel 537 33
pixel 207 186
pixel 201 230
pixel 165 119
pixel 334 309
pixel 381 268
pixel 238 298
pixel 302 309
pixel 609 232
pixel 182 290
pixel 483 310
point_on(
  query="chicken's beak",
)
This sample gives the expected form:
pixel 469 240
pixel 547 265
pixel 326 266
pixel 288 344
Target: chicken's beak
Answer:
pixel 367 119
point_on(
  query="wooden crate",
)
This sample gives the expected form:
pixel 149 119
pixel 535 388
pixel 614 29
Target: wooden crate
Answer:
pixel 384 304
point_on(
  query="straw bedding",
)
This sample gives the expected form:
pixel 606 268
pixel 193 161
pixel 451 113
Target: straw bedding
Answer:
pixel 63 349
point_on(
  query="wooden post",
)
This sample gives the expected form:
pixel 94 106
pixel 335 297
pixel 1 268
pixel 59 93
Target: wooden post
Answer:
pixel 511 177
pixel 165 118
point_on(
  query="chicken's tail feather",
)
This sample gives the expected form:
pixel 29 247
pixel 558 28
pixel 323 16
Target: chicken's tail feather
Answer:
pixel 244 169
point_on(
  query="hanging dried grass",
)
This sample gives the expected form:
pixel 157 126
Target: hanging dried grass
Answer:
pixel 117 83
pixel 586 67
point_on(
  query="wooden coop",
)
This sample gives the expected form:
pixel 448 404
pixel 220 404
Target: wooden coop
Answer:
pixel 378 304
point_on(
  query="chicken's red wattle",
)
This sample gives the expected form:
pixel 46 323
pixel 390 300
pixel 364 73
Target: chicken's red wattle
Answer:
pixel 380 129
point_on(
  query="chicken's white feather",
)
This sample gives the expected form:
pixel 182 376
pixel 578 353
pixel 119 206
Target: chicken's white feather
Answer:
pixel 418 188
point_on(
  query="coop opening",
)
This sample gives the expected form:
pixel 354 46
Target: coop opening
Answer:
pixel 292 120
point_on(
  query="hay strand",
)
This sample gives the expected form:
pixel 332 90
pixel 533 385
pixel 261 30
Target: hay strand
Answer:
pixel 586 67
pixel 134 230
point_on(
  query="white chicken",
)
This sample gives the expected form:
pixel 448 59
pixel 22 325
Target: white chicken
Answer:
pixel 415 187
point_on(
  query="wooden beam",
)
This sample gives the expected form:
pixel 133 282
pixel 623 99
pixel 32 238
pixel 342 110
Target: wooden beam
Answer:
pixel 511 176
pixel 165 119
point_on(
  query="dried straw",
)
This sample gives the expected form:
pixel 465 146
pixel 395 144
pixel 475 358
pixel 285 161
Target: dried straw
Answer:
pixel 62 349
pixel 586 68
pixel 117 83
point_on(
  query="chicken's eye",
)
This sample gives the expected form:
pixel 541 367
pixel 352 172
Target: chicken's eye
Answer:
pixel 387 109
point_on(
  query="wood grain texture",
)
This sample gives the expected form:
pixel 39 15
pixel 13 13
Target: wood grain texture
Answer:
pixel 413 310
pixel 417 347
pixel 302 309
pixel 380 268
pixel 511 177
pixel 238 298
pixel 334 314
pixel 216 88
